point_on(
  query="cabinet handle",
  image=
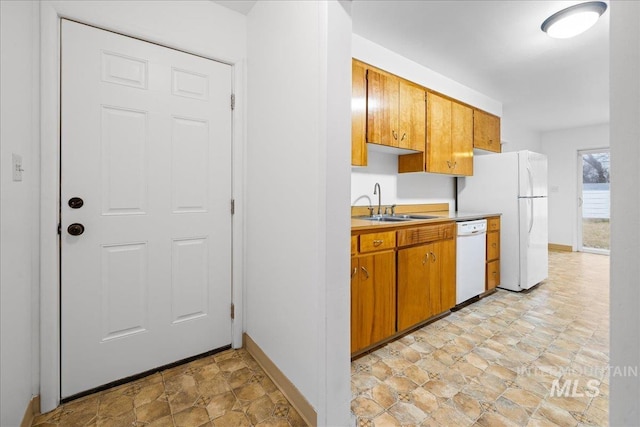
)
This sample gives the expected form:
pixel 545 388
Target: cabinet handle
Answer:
pixel 448 164
pixel 354 272
pixel 377 242
pixel 404 135
pixel 454 165
pixel 395 135
pixel 365 271
pixel 495 273
pixel 490 141
pixel 425 258
pixel 494 245
pixel 433 256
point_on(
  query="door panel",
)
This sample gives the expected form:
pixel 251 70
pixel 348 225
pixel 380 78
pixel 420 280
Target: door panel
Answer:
pixel 534 253
pixel 382 109
pixel 533 174
pixel 413 285
pixel 412 116
pixel 438 134
pixel 146 143
pixel 462 139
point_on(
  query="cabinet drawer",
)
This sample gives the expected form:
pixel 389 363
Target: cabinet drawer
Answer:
pixel 493 274
pixel 354 245
pixel 377 241
pixel 493 245
pixel 493 224
pixel 425 234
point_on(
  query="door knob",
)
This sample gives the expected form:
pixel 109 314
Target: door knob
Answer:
pixel 75 229
pixel 76 203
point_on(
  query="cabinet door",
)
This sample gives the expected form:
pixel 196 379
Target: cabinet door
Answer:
pixel 382 109
pixel 493 245
pixel 413 285
pixel 373 297
pixel 438 134
pixel 493 274
pixel 462 139
pixel 447 253
pixel 358 114
pixel 486 131
pixel 411 117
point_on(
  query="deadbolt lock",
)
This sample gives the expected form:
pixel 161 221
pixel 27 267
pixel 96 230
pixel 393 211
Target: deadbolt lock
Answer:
pixel 76 203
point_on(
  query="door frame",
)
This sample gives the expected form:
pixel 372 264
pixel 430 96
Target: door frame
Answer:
pixel 49 274
pixel 580 202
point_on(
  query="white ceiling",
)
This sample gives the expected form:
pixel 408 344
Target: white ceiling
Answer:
pixel 497 48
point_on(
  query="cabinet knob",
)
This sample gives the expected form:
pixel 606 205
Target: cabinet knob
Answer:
pixel 494 245
pixel 378 242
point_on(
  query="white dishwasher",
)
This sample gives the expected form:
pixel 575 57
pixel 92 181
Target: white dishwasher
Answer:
pixel 471 254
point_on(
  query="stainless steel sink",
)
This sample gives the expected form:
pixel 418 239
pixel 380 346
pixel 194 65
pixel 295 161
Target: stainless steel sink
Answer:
pixel 395 218
pixel 412 216
pixel 383 218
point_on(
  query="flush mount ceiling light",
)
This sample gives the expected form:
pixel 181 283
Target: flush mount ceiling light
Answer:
pixel 573 20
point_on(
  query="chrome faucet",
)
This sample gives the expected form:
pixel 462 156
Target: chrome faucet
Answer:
pixel 379 193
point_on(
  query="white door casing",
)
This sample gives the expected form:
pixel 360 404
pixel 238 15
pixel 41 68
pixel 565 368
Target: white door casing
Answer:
pixel 146 143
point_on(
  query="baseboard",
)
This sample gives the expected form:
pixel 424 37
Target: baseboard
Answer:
pixel 560 248
pixel 33 409
pixel 293 395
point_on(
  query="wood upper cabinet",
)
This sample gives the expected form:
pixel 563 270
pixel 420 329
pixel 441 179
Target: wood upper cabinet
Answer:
pixel 373 299
pixel 486 131
pixel 449 147
pixel 358 114
pixel 395 112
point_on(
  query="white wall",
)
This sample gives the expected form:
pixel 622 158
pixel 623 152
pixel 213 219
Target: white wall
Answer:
pixel 515 137
pixel 200 27
pixel 561 148
pixel 297 229
pixel 404 188
pixel 381 57
pixel 625 209
pixel 18 223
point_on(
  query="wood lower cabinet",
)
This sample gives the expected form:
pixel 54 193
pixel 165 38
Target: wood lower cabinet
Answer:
pixel 493 253
pixel 426 275
pixel 486 131
pixel 373 289
pixel 414 275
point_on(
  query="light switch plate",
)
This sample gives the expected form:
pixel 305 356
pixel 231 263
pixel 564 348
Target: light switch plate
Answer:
pixel 16 163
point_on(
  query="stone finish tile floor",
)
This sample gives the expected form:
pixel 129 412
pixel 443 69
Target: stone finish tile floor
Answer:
pixel 224 390
pixel 536 358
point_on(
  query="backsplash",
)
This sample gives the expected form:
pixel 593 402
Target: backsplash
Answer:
pixel 406 188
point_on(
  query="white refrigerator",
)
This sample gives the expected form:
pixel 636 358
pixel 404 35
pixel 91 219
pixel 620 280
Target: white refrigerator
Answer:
pixel 515 185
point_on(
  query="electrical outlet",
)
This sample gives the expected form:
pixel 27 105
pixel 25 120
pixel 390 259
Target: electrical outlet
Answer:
pixel 16 162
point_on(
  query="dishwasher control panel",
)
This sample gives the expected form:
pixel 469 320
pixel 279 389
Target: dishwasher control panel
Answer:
pixel 466 228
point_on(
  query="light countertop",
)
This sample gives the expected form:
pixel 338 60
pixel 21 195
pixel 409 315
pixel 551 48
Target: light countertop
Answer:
pixel 359 224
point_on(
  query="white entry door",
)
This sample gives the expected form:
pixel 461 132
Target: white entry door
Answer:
pixel 146 179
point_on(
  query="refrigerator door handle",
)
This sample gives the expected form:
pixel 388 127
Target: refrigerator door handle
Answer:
pixel 530 181
pixel 531 216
